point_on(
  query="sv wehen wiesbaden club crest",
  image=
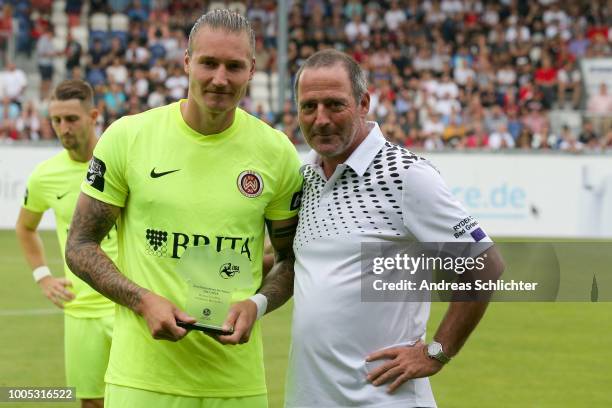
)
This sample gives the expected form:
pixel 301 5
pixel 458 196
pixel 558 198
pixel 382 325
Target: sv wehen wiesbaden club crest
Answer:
pixel 250 183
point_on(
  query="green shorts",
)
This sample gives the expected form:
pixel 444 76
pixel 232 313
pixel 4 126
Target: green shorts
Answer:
pixel 87 343
pixel 122 397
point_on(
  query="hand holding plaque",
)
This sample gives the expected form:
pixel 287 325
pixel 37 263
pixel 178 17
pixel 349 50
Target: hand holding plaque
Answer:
pixel 214 280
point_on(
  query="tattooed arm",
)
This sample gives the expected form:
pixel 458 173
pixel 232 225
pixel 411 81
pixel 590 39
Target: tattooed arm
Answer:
pixel 277 285
pixel 91 221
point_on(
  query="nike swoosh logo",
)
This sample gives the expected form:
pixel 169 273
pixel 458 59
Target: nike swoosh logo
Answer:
pixel 59 197
pixel 163 173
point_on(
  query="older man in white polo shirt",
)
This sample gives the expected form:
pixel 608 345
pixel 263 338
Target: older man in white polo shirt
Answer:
pixel 360 188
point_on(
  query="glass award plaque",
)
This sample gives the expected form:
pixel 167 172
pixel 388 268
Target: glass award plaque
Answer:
pixel 214 280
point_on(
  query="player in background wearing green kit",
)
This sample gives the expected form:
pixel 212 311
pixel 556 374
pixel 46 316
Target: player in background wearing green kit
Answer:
pixel 197 172
pixel 55 184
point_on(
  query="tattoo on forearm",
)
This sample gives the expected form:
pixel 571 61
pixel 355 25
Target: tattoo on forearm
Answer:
pixel 278 284
pixel 277 287
pixel 87 260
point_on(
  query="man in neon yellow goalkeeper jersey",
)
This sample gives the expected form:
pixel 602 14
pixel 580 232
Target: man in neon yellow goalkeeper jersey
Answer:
pixel 200 171
pixel 55 184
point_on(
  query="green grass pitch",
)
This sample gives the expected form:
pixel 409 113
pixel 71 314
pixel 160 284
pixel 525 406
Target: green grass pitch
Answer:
pixel 521 355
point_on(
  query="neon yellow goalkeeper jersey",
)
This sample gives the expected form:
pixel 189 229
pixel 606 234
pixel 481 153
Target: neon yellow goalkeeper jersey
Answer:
pixel 179 188
pixel 55 184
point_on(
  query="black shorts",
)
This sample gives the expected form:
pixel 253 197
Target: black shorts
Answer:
pixel 46 72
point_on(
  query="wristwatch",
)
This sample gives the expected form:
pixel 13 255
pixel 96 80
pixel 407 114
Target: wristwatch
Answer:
pixel 434 350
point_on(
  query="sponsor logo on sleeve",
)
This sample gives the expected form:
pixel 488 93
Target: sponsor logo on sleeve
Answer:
pixel 25 197
pixel 478 234
pixel 296 201
pixel 95 173
pixel 250 183
pixel 470 226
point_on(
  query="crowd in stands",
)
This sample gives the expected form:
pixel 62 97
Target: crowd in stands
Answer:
pixel 463 74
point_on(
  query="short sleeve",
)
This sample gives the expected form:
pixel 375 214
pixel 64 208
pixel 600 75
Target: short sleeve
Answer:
pixel 34 198
pixel 286 202
pixel 432 213
pixel 106 177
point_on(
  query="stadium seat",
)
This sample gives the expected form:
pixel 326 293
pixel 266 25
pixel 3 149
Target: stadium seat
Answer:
pixel 216 5
pixel 122 35
pixel 260 79
pixel 81 34
pixel 96 77
pixel 157 51
pixel 98 22
pixel 99 35
pixel 59 19
pixel 119 22
pixel 59 6
pixel 560 117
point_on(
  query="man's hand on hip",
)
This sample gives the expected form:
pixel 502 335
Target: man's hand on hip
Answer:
pixel 405 363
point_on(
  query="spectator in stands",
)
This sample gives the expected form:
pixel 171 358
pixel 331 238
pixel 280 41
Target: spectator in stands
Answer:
pixel 545 139
pixel 606 143
pixel 115 101
pixel 477 137
pixel 579 45
pixel 588 136
pixel 409 45
pixel 600 103
pixel 523 141
pixel 514 124
pixel 9 112
pixel 117 50
pixel 394 16
pixel 29 122
pixel 392 130
pixel 356 29
pixel 568 141
pixel 118 6
pixel 262 56
pixel 534 120
pixel 353 8
pixel 290 127
pixel 158 97
pixel 432 130
pixel 137 12
pixel 546 80
pixel 455 132
pixel 177 84
pixel 158 73
pixel 501 138
pixel 569 82
pixel 494 118
pixel 72 53
pixel 137 56
pixel 97 56
pixel 117 72
pixel 6 33
pixel 139 86
pixel 13 81
pixel 44 56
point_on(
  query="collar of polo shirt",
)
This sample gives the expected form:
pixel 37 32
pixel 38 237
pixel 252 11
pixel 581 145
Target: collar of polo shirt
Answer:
pixel 360 159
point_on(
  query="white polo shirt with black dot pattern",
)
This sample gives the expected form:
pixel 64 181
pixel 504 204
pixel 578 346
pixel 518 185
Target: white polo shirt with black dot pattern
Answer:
pixel 382 193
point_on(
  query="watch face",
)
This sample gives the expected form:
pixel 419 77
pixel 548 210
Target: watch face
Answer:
pixel 434 349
